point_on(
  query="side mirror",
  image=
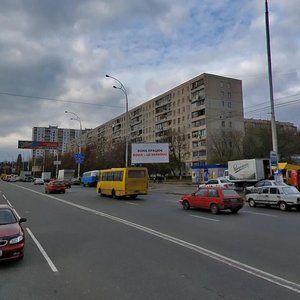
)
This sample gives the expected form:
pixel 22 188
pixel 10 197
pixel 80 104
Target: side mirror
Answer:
pixel 22 220
pixel 193 194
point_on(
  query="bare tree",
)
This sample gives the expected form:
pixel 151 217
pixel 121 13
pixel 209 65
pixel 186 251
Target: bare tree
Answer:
pixel 224 145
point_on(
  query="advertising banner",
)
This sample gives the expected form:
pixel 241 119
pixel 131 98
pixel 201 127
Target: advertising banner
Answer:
pixel 37 145
pixel 146 153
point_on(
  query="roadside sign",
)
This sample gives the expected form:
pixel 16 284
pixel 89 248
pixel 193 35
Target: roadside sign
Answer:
pixel 273 159
pixel 79 158
pixel 57 162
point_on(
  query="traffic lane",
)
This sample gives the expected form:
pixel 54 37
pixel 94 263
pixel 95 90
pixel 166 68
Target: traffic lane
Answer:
pixel 228 239
pixel 235 236
pixel 115 256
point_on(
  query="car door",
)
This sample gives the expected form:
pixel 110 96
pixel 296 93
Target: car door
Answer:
pixel 274 196
pixel 212 197
pixel 263 196
pixel 200 198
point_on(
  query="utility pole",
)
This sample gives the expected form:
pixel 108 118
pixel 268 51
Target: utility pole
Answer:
pixel 273 122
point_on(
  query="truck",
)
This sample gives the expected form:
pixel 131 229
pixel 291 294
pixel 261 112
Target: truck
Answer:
pixel 46 176
pixel 66 175
pixel 247 172
pixel 26 176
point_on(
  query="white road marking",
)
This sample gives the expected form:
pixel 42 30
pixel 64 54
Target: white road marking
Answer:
pixel 261 214
pixel 290 285
pixel 49 261
pixel 209 219
pixel 132 203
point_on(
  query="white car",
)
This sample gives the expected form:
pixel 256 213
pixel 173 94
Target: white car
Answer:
pixel 38 181
pixel 283 196
pixel 263 183
pixel 218 182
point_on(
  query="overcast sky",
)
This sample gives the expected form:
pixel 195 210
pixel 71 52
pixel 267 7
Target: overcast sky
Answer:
pixel 54 56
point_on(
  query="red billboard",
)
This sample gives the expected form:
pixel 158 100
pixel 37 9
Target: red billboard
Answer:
pixel 37 145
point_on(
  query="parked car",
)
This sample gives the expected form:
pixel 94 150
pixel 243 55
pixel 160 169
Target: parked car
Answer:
pixel 214 199
pixel 55 186
pixel 75 181
pixel 38 181
pixel 283 196
pixel 12 237
pixel 262 183
pixel 218 182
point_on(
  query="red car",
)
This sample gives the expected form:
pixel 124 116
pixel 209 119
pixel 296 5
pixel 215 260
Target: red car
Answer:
pixel 214 199
pixel 55 186
pixel 12 238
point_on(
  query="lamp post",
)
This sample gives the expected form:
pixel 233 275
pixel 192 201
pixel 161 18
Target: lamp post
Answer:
pixel 122 88
pixel 79 120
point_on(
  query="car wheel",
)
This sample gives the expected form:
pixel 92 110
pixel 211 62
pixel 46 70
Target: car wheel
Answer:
pixel 251 203
pixel 186 205
pixel 64 191
pixel 113 194
pixel 133 196
pixel 283 206
pixel 214 209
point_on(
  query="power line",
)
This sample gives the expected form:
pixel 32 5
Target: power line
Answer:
pixel 58 100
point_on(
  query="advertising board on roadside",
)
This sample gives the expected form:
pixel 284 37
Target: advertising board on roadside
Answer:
pixel 145 153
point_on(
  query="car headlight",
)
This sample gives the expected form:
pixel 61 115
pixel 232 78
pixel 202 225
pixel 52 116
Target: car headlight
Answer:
pixel 16 240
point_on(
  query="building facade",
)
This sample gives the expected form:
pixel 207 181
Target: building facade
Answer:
pixel 198 111
pixel 54 134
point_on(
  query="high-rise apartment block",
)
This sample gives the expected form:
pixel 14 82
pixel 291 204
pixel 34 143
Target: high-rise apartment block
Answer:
pixel 200 111
pixel 54 134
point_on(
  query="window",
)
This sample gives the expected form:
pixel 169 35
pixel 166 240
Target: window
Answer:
pixel 212 193
pixel 221 84
pixel 273 190
pixel 201 193
pixel 223 123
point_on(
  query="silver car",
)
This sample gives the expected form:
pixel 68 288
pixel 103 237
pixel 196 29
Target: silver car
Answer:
pixel 263 183
pixel 284 197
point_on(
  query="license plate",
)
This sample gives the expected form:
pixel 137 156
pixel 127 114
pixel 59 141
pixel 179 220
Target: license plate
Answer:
pixel 0 252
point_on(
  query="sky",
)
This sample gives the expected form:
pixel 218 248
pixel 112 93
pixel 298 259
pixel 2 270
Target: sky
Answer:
pixel 54 56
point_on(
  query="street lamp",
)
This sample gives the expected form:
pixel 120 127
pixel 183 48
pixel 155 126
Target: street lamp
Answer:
pixel 79 120
pixel 122 88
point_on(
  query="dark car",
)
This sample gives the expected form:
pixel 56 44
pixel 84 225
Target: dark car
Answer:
pixel 55 186
pixel 12 238
pixel 214 199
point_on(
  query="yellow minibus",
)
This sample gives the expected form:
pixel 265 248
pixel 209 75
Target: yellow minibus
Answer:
pixel 123 182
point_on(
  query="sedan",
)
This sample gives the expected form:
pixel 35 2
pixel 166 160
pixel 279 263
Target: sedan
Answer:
pixel 282 196
pixel 262 183
pixel 218 182
pixel 55 186
pixel 12 238
pixel 214 199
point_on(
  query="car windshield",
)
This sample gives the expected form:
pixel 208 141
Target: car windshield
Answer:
pixel 290 190
pixel 7 217
pixel 230 193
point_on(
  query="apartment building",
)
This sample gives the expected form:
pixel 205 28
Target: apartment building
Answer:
pixel 256 123
pixel 54 134
pixel 198 110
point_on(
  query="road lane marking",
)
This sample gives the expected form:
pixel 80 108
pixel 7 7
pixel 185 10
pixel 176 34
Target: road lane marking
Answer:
pixel 49 261
pixel 209 219
pixel 256 213
pixel 132 203
pixel 290 285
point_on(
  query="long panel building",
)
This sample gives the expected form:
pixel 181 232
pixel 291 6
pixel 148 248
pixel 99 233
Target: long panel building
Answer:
pixel 54 134
pixel 200 110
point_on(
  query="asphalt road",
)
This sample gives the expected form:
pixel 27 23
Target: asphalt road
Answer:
pixel 83 246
